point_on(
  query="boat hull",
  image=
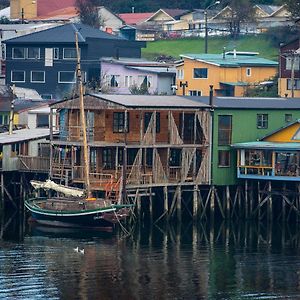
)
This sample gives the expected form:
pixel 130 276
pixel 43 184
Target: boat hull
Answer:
pixel 93 218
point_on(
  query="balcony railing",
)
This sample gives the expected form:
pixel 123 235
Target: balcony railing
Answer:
pixel 33 164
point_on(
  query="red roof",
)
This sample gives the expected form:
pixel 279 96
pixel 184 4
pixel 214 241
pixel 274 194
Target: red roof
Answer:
pixel 63 13
pixel 45 7
pixel 135 18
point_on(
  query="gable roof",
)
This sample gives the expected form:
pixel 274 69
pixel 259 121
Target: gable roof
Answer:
pixel 268 9
pixel 230 60
pixel 134 18
pixel 64 34
pixel 172 13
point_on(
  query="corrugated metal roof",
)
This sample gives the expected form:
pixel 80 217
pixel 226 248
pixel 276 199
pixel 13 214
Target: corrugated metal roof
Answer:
pixel 134 18
pixel 151 101
pixel 267 145
pixel 250 102
pixel 157 70
pixel 64 34
pixel 238 83
pixel 231 60
pixel 24 135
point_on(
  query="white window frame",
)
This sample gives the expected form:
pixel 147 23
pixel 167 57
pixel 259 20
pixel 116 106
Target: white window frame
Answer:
pixel 117 79
pixel 288 63
pixel 37 81
pixel 70 58
pixel 128 80
pixel 198 93
pixel 59 81
pixel 11 75
pixel 200 78
pixel 39 56
pixel 13 51
pixel 248 72
pixel 180 74
pixel 296 84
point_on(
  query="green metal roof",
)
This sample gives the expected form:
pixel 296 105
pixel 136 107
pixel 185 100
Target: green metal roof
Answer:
pixel 231 60
pixel 238 83
pixel 267 145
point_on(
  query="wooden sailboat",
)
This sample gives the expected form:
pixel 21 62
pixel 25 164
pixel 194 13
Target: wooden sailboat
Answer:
pixel 74 207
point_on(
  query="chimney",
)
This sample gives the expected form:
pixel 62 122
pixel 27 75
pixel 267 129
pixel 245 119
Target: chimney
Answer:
pixel 211 96
pixel 234 53
pixel 224 55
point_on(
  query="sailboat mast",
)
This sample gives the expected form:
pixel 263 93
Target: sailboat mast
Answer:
pixel 82 121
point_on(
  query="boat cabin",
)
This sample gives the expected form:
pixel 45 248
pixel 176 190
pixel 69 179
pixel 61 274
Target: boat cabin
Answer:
pixel 133 140
pixel 275 157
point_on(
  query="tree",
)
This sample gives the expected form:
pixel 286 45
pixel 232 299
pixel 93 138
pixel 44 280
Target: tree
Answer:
pixel 88 12
pixel 241 11
pixel 294 7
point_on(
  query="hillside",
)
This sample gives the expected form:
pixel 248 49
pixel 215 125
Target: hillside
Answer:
pixel 215 45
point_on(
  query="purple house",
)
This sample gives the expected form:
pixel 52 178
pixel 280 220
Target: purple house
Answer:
pixel 123 76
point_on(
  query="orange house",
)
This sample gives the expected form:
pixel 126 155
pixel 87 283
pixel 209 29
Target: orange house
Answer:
pixel 230 73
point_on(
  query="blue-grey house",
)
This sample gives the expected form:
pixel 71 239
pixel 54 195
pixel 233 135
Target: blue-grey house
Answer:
pixel 46 60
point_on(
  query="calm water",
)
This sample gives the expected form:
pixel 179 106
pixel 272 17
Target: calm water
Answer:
pixel 224 261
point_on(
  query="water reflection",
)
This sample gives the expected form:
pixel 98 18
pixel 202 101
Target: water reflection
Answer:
pixel 183 261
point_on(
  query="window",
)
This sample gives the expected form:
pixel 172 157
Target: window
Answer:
pixel 147 118
pixel 107 158
pixel 195 93
pixel 224 158
pixel 175 158
pixel 66 77
pixel 69 53
pixel 17 76
pixel 15 149
pixel 46 96
pixel 248 72
pixel 145 81
pixel 119 122
pixel 180 74
pixel 37 76
pixel 288 118
pixel 18 53
pixel 42 120
pixel 289 63
pixel 114 80
pixel 55 53
pixel 200 73
pixel 262 121
pixel 296 84
pixel 224 130
pixel 33 53
pixel 128 81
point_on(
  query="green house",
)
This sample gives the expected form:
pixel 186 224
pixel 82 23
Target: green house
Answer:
pixel 237 120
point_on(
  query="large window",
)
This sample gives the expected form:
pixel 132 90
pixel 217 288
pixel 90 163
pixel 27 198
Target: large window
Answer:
pixel 33 53
pixel 69 53
pixel 224 130
pixel 289 63
pixel 224 158
pixel 114 80
pixel 145 81
pixel 18 53
pixel 296 84
pixel 42 120
pixel 37 76
pixel 107 158
pixel 17 76
pixel 119 122
pixel 180 73
pixel 200 72
pixel 262 121
pixel 147 118
pixel 66 77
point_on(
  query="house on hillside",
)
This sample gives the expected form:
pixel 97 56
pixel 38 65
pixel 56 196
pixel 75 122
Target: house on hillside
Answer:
pixel 122 75
pixel 289 69
pixel 109 21
pixel 230 73
pixel 47 60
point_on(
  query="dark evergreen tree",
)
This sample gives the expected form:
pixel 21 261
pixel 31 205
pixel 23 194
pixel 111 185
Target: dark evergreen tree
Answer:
pixel 88 12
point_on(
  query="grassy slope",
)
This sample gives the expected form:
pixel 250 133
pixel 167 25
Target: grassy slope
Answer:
pixel 215 45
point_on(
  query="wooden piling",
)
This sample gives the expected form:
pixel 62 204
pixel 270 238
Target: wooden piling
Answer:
pixel 195 203
pixel 179 204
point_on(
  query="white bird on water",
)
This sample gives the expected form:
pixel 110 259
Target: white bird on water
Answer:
pixel 76 249
pixel 81 251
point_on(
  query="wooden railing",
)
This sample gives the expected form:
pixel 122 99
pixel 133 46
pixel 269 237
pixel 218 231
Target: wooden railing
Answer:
pixel 256 170
pixel 33 163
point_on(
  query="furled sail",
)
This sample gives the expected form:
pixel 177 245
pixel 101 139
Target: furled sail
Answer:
pixel 50 185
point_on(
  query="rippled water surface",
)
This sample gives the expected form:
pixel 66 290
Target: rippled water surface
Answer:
pixel 220 261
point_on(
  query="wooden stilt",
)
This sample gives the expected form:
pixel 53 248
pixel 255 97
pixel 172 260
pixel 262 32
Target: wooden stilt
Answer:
pixel 179 204
pixel 269 210
pixel 258 200
pixel 2 192
pixel 151 205
pixel 283 208
pixel 246 199
pixel 212 204
pixel 166 200
pixel 227 202
pixel 195 203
